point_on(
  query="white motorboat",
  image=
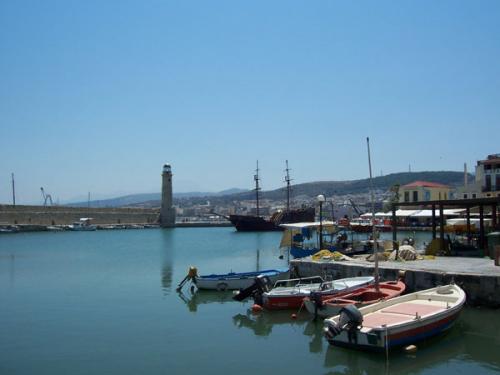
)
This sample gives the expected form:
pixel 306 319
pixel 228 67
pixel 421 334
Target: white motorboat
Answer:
pixel 84 224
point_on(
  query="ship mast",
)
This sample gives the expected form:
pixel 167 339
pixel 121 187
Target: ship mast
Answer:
pixel 257 188
pixel 374 232
pixel 288 186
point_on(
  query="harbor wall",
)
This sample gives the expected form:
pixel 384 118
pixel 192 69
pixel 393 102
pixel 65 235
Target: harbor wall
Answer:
pixel 62 215
pixel 481 290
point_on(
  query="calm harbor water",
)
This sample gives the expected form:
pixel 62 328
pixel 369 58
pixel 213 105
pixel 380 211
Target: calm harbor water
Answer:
pixel 105 303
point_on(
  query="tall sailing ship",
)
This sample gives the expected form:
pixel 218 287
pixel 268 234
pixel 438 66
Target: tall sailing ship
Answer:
pixel 260 223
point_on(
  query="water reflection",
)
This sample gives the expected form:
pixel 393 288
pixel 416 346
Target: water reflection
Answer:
pixel 314 329
pixel 12 269
pixel 194 298
pixel 262 323
pixel 167 254
pixel 166 277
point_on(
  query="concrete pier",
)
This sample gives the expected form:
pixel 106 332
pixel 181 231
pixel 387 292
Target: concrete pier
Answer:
pixel 479 277
pixel 64 215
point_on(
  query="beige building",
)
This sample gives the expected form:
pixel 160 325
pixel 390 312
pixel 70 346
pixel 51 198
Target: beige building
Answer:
pixel 419 191
pixel 487 181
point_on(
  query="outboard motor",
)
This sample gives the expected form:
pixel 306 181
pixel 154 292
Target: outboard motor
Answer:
pixel 316 297
pixel 261 284
pixel 264 283
pixel 349 320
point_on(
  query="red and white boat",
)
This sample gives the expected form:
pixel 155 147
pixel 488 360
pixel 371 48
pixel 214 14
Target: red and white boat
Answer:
pixel 327 306
pixel 398 321
pixel 289 294
pixel 363 225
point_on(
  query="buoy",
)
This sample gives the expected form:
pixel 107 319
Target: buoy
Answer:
pixel 410 349
pixel 294 316
pixel 256 308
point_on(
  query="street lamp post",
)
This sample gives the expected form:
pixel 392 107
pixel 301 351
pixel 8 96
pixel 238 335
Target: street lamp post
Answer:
pixel 321 199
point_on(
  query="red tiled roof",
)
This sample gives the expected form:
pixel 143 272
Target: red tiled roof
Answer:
pixel 425 184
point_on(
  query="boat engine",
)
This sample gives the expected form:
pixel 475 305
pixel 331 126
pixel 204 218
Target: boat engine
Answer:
pixel 349 320
pixel 316 298
pixel 261 284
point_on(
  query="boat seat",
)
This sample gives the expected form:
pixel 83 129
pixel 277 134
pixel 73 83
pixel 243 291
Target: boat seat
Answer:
pixel 411 309
pixel 378 319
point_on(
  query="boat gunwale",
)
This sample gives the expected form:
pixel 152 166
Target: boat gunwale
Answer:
pixel 241 275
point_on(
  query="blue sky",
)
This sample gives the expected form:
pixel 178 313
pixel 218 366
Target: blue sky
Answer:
pixel 97 96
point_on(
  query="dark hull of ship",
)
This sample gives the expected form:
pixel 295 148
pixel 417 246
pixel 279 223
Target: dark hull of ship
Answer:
pixel 249 223
pixel 369 228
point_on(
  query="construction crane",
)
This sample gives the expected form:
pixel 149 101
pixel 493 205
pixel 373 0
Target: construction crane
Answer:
pixel 46 197
pixel 355 207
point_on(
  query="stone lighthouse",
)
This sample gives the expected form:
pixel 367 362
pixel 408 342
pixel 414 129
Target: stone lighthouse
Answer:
pixel 167 212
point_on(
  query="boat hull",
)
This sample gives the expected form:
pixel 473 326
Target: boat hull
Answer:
pixel 395 338
pixel 294 297
pixel 247 223
pixel 250 223
pixel 235 281
pixel 87 228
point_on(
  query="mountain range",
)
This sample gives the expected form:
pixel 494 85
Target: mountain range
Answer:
pixel 310 189
pixel 137 199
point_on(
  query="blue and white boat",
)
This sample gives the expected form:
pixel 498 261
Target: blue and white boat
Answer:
pixel 302 239
pixel 238 280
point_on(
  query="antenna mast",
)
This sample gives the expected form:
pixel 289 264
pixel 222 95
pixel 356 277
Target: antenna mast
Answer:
pixel 257 188
pixel 13 191
pixel 288 186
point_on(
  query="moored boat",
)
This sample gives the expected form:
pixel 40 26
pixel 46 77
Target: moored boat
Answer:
pixel 237 280
pixel 326 306
pixel 84 224
pixel 287 295
pixel 398 321
pixel 302 239
pixel 248 223
pixel 365 225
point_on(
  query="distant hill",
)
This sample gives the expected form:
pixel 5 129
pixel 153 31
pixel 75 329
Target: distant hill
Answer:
pixel 149 199
pixel 329 188
pixel 310 189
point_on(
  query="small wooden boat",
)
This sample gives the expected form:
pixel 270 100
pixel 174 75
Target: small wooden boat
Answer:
pixel 396 322
pixel 327 306
pixel 287 295
pixel 237 280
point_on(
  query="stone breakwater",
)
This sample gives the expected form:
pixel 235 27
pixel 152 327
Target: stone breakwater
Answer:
pixel 479 277
pixel 63 215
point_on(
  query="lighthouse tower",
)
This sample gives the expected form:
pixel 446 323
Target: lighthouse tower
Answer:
pixel 167 212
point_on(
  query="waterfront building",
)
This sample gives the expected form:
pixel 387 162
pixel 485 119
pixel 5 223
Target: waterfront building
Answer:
pixel 423 191
pixel 487 181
